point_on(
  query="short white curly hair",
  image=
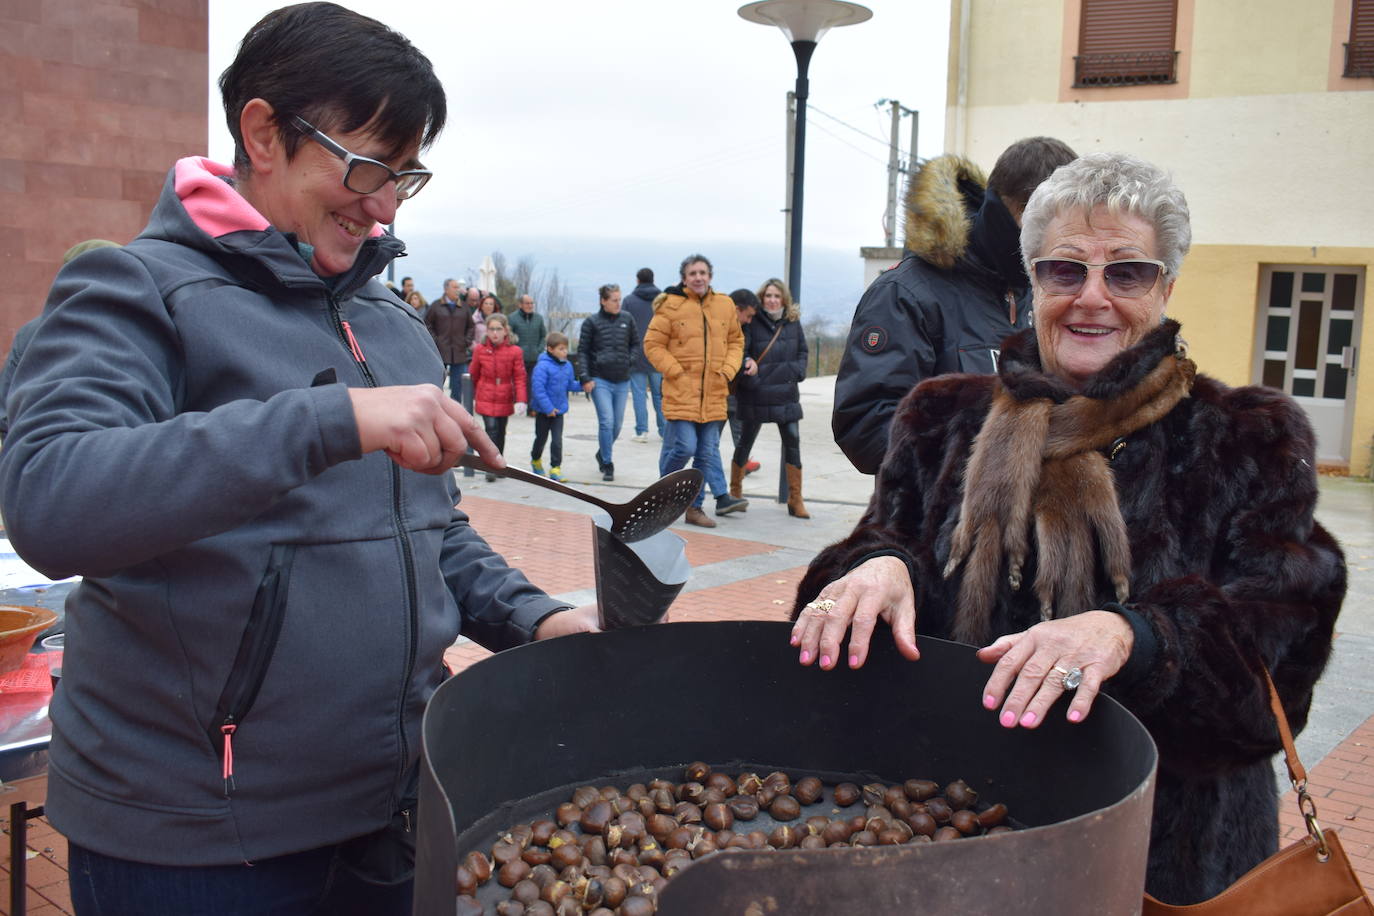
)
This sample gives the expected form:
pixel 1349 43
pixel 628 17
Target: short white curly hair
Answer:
pixel 1123 184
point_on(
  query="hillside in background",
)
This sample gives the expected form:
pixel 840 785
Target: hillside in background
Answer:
pixel 832 279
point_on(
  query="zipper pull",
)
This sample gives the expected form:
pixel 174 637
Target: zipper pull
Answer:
pixel 405 816
pixel 228 729
pixel 353 341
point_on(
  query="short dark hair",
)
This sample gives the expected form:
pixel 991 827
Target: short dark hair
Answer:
pixel 340 71
pixel 404 279
pixel 605 291
pixel 692 259
pixel 745 299
pixel 1026 163
pixel 645 275
pixel 555 339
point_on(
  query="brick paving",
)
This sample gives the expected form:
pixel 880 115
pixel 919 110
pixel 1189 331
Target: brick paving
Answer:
pixel 553 548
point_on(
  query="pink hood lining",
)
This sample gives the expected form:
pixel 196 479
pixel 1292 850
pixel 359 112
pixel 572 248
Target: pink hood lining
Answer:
pixel 213 204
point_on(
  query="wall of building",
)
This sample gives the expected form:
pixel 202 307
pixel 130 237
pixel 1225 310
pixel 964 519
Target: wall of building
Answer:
pixel 99 98
pixel 1270 147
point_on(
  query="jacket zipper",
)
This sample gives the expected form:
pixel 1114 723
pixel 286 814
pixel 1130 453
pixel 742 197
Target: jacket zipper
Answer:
pixel 705 357
pixel 256 647
pixel 345 332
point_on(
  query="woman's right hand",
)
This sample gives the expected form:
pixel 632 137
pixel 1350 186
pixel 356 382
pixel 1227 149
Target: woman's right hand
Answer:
pixel 419 427
pixel 877 589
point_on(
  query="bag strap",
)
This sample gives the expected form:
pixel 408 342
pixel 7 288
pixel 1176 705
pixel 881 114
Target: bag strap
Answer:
pixel 1297 773
pixel 771 341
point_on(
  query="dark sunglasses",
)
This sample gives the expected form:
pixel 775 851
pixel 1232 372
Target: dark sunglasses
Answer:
pixel 365 176
pixel 1131 277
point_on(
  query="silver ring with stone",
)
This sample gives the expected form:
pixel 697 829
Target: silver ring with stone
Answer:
pixel 1070 678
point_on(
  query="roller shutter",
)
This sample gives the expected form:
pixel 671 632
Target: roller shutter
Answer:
pixel 1127 42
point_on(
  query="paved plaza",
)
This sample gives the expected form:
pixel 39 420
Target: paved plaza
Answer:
pixel 749 565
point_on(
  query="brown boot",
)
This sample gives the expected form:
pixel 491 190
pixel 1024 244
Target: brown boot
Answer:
pixel 697 517
pixel 736 480
pixel 795 507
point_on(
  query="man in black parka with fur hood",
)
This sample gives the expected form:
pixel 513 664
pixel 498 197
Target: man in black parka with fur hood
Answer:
pixel 958 291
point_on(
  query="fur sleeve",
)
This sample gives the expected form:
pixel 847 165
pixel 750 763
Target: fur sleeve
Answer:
pixel 1275 586
pixel 930 434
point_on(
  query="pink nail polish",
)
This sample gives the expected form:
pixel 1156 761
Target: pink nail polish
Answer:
pixel 989 702
pixel 853 661
pixel 794 640
pixel 805 657
pixel 825 661
pixel 1028 719
pixel 1074 715
pixel 1008 719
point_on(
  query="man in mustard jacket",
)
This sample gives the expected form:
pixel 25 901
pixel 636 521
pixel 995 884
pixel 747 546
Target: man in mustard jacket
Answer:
pixel 695 340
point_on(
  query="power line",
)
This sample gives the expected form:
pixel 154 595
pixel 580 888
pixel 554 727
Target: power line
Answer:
pixel 838 138
pixel 863 133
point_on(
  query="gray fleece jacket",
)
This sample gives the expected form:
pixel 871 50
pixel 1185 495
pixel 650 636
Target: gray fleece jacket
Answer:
pixel 256 594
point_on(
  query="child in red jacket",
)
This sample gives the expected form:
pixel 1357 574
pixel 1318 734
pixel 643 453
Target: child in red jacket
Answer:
pixel 498 380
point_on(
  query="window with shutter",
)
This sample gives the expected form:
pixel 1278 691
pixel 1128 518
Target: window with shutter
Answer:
pixel 1359 52
pixel 1128 43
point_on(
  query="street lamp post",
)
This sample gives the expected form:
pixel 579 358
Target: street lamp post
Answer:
pixel 803 22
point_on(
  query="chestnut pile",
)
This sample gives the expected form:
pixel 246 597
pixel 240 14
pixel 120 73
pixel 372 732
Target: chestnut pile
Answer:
pixel 608 852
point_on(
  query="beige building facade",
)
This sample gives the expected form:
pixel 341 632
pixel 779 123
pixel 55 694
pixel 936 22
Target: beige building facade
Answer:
pixel 1263 111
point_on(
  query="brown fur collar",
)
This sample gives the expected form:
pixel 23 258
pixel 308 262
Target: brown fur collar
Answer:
pixel 941 200
pixel 1036 460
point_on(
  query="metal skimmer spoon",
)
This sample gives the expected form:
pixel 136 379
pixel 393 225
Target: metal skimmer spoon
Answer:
pixel 654 508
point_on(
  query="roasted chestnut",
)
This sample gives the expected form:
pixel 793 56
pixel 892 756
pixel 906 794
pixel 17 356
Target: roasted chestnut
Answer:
pixel 464 880
pixel 994 815
pixel 965 821
pixel 525 890
pixel 467 905
pixel 722 782
pixel 959 795
pixel 807 790
pixel 846 794
pixel 568 813
pixel 748 783
pixel 719 816
pixel 785 808
pixel 946 833
pixel 920 789
pixel 874 793
pixel 744 807
pixel 783 837
pixel 696 771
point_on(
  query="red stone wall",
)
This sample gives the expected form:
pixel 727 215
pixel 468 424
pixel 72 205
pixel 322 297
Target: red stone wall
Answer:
pixel 97 99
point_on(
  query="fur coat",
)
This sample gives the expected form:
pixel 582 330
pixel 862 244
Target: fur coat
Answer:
pixel 1227 566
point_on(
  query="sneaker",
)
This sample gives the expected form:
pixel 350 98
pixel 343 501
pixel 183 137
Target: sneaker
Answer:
pixel 601 465
pixel 696 517
pixel 608 471
pixel 555 473
pixel 727 504
pixel 537 466
pixel 640 437
pixel 490 477
pixel 751 466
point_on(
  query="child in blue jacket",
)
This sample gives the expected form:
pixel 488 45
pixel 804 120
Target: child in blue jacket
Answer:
pixel 552 379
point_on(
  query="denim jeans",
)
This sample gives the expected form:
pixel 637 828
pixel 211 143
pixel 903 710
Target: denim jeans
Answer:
pixel 609 398
pixel 455 380
pixel 550 429
pixel 653 381
pixel 699 443
pixel 310 883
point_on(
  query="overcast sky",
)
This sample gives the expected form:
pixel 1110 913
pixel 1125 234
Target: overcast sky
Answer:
pixel 651 119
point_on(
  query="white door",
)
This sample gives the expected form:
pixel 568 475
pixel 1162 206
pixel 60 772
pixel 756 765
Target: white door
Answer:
pixel 1310 323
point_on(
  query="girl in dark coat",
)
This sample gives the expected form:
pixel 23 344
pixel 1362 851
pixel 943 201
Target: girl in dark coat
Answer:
pixel 766 390
pixel 1099 517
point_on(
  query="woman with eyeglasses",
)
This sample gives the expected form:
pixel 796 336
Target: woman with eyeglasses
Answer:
pixel 1100 517
pixel 236 434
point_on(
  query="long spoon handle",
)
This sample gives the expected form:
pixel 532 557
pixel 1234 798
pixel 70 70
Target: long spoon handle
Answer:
pixel 477 464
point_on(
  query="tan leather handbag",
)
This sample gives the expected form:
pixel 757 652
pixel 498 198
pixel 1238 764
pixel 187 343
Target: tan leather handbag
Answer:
pixel 1312 877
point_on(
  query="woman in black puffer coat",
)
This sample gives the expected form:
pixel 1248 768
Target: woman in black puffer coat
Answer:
pixel 775 362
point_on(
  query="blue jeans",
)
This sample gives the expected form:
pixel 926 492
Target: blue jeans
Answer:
pixel 609 398
pixel 317 882
pixel 699 443
pixel 653 381
pixel 455 380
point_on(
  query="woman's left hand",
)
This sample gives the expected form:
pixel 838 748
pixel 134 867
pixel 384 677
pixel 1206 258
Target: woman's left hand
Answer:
pixel 750 367
pixel 1096 642
pixel 582 619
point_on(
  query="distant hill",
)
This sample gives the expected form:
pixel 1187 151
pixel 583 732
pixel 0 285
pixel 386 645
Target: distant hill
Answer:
pixel 832 279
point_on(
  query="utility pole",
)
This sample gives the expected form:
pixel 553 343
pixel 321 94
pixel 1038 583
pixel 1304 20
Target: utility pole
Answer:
pixel 895 167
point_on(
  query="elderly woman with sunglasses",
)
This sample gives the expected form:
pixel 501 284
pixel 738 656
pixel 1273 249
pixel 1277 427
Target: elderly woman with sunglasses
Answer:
pixel 236 434
pixel 1097 516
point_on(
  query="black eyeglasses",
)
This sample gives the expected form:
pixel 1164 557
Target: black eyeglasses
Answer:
pixel 1130 277
pixel 365 176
